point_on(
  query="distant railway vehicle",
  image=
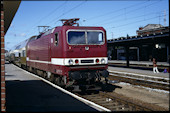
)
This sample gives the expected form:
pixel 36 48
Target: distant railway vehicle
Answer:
pixel 17 54
pixel 66 55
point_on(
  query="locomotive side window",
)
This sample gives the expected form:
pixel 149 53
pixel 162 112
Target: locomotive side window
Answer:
pixel 94 38
pixel 76 37
pixel 56 39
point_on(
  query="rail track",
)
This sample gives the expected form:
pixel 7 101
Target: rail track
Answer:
pixel 117 102
pixel 142 80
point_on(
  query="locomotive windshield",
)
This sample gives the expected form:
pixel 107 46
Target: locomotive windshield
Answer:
pixel 76 37
pixel 85 37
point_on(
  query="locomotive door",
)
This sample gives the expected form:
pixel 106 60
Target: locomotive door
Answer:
pixel 53 51
pixel 50 52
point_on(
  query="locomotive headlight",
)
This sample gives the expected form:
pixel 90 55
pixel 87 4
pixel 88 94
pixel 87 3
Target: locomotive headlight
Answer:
pixel 70 62
pixel 103 61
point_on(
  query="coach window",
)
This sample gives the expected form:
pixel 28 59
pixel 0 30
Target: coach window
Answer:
pixel 23 53
pixel 56 39
pixel 19 54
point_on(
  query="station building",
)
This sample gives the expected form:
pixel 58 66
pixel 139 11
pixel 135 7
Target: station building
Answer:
pixel 151 41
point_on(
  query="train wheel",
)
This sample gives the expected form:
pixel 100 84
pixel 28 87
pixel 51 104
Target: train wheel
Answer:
pixel 39 72
pixel 59 81
pixel 44 75
pixel 51 79
pixel 30 69
pixel 35 71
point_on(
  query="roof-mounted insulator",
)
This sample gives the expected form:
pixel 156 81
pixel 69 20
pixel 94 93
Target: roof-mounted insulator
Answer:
pixel 70 22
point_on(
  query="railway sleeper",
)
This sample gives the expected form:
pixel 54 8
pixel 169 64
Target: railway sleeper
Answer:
pixel 94 97
pixel 86 88
pixel 116 108
pixel 113 103
pixel 107 103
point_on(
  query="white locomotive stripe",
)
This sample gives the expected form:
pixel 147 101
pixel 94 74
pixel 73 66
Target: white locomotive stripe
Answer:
pixel 57 61
pixel 46 62
pixel 92 104
pixel 65 61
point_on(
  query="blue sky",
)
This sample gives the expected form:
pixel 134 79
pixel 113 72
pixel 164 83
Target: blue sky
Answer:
pixel 119 18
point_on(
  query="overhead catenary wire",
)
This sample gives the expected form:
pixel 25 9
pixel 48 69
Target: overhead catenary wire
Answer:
pixel 134 17
pixel 127 12
pixel 136 21
pixel 34 27
pixel 50 13
pixel 132 23
pixel 53 20
pixel 107 21
pixel 65 13
pixel 75 8
pixel 42 18
pixel 111 12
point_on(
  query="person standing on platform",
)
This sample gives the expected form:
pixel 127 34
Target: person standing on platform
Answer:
pixel 155 69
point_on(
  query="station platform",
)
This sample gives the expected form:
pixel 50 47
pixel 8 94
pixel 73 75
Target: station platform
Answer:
pixel 26 93
pixel 138 71
pixel 145 65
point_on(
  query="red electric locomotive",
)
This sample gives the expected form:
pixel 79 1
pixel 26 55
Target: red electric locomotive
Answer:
pixel 70 55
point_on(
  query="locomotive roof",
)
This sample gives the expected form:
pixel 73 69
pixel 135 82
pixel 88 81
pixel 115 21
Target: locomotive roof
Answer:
pixel 24 43
pixel 50 31
pixel 72 27
pixel 80 27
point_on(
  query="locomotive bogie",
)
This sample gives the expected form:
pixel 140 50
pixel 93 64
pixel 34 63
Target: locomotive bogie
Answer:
pixel 87 75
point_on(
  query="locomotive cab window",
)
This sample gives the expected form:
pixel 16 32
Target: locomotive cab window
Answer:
pixel 94 37
pixel 85 37
pixel 76 37
pixel 56 39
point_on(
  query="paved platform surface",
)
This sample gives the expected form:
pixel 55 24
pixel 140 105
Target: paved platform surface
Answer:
pixel 138 71
pixel 26 93
pixel 139 62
